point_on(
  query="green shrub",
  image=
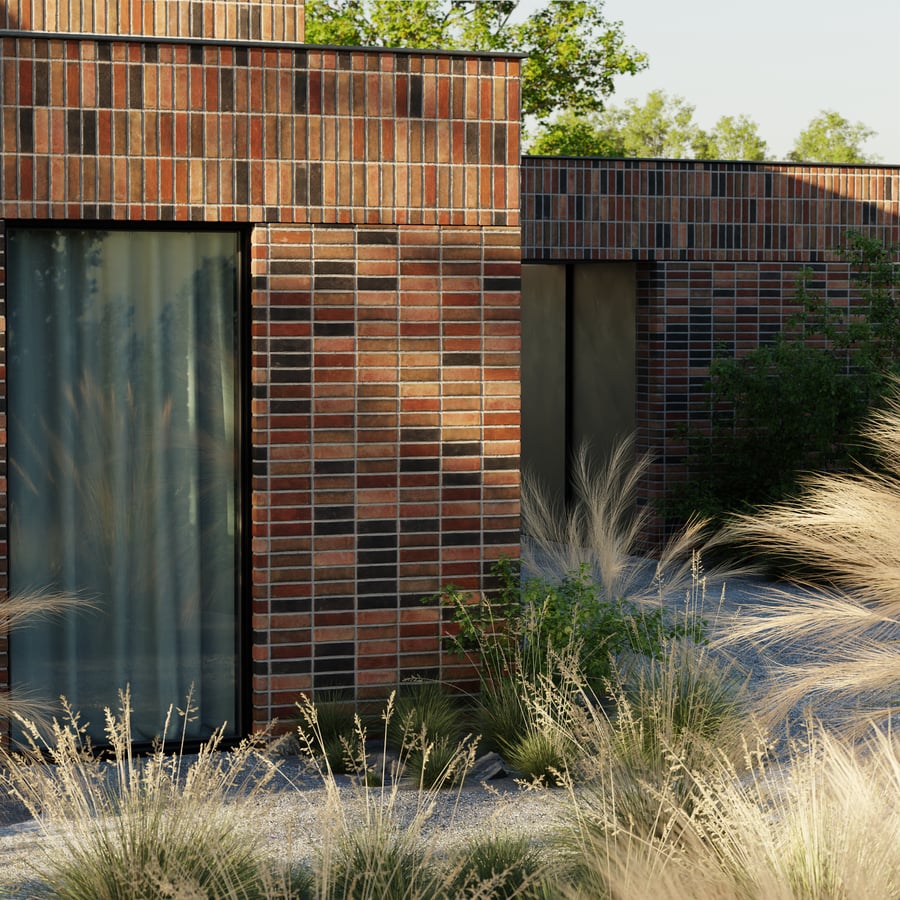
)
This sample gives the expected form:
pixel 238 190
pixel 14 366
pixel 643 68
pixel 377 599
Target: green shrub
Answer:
pixel 527 621
pixel 796 404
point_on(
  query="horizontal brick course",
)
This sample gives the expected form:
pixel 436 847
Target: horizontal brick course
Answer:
pixel 646 210
pixel 167 131
pixel 268 20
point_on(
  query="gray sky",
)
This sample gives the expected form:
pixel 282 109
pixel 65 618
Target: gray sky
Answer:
pixel 778 61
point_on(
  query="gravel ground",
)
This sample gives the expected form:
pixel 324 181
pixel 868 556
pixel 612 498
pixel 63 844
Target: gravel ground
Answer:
pixel 295 812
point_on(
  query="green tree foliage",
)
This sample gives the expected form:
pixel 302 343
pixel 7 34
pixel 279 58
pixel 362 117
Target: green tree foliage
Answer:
pixel 661 127
pixel 736 137
pixel 797 404
pixel 572 52
pixel 830 138
pixel 570 134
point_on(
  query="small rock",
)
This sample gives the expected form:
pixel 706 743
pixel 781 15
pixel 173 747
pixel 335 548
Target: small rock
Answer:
pixel 488 766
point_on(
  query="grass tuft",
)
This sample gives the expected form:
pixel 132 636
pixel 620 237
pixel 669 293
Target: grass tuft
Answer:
pixel 161 825
pixel 500 866
pixel 843 532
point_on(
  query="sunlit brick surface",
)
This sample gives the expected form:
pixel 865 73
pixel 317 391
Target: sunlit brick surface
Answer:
pixel 379 193
pixel 385 393
pixel 172 131
pixel 267 20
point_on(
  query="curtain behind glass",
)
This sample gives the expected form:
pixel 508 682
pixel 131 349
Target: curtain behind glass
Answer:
pixel 123 469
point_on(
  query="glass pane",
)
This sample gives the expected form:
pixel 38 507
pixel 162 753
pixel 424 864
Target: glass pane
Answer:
pixel 123 475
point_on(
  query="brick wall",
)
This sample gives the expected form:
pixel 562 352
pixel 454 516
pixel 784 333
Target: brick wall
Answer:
pixel 718 247
pixel 385 370
pixel 381 198
pixel 265 20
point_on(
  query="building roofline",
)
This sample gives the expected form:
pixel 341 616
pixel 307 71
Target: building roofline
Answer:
pixel 688 161
pixel 266 45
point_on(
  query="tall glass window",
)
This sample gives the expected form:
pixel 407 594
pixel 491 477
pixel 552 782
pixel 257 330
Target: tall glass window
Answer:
pixel 123 468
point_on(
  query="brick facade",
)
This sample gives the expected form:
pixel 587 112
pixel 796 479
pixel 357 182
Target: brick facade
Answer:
pixel 379 194
pixel 718 248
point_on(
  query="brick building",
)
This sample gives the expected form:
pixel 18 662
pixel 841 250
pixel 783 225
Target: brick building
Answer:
pixel 634 271
pixel 357 213
pixel 260 384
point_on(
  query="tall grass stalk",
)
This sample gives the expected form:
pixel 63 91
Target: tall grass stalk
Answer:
pixel 20 609
pixel 603 528
pixel 824 824
pixel 143 827
pixel 671 717
pixel 380 851
pixel 843 531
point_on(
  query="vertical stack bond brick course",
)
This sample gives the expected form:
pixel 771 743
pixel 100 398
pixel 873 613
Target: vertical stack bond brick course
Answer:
pixel 718 248
pixel 170 131
pixel 265 20
pixel 379 193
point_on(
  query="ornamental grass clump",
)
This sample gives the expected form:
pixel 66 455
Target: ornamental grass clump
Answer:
pixel 380 850
pixel 335 720
pixel 601 530
pixel 824 824
pixel 122 825
pixel 843 533
pixel 427 729
pixel 671 717
pixel 500 866
pixel 20 609
pixel 536 640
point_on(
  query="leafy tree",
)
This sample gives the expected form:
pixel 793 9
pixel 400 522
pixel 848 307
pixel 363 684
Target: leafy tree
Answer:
pixel 662 127
pixel 735 137
pixel 570 134
pixel 572 52
pixel 830 138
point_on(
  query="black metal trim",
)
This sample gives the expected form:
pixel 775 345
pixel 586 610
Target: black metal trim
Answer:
pixel 244 42
pixel 244 441
pixel 569 368
pixel 243 401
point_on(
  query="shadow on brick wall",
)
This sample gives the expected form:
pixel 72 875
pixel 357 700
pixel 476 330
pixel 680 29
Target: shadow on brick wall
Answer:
pixel 717 249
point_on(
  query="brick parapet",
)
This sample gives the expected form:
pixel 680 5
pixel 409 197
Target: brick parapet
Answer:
pixel 265 20
pixel 176 131
pixel 687 210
